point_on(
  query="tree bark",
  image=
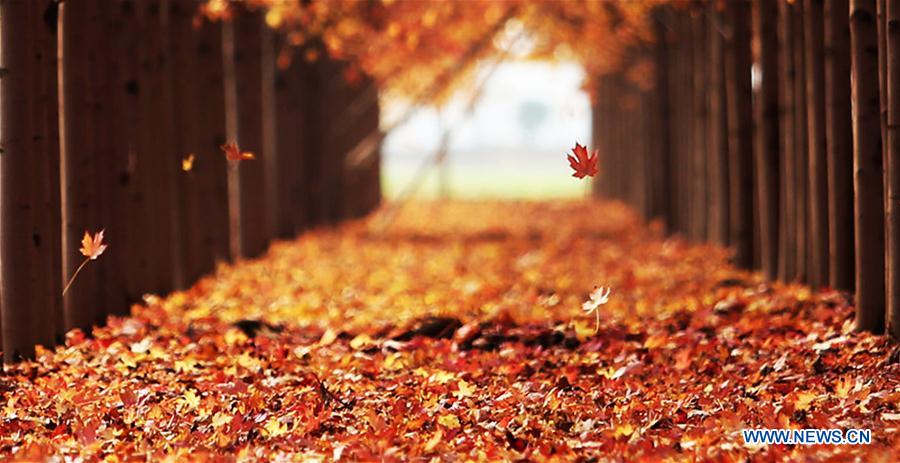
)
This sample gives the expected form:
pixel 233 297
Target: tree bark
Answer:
pixel 740 130
pixel 254 82
pixel 290 99
pixel 893 162
pixel 699 156
pixel 840 143
pixel 331 161
pixel 867 165
pixel 197 80
pixel 818 155
pixel 29 178
pixel 801 143
pixel 663 118
pixel 787 243
pixel 156 163
pixel 767 135
pixel 85 153
pixel 717 135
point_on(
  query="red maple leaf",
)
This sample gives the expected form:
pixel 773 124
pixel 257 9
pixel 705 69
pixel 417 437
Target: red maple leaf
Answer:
pixel 233 153
pixel 584 163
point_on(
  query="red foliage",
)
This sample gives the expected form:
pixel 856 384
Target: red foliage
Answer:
pixel 584 163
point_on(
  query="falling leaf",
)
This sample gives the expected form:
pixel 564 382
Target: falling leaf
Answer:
pixel 598 297
pixel 92 247
pixel 234 154
pixel 187 163
pixel 584 163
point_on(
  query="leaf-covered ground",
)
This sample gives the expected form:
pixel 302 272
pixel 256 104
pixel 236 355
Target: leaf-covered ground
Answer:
pixel 457 334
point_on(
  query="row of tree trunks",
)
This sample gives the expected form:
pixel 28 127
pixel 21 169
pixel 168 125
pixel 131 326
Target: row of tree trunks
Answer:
pixel 106 154
pixel 781 134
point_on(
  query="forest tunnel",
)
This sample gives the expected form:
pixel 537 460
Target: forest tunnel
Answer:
pixel 345 230
pixel 125 131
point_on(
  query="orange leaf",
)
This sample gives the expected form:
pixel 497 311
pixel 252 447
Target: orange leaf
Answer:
pixel 92 247
pixel 233 153
pixel 187 163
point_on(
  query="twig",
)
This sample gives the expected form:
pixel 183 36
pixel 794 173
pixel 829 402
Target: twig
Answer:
pixel 328 395
pixel 71 280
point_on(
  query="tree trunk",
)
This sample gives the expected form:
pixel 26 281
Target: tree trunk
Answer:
pixel 684 96
pixel 254 82
pixel 198 85
pixel 840 143
pixel 767 140
pixel 801 148
pixel 29 178
pixel 787 254
pixel 331 161
pixel 867 165
pixel 893 158
pixel 663 117
pixel 717 135
pixel 156 163
pixel 85 153
pixel 699 156
pixel 292 190
pixel 818 156
pixel 740 130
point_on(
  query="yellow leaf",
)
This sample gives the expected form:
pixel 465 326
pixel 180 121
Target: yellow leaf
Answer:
pixel 191 399
pixel 274 427
pixel 434 441
pixel 188 162
pixel 584 330
pixel 803 400
pixel 394 362
pixel 221 419
pixel 464 389
pixel 235 337
pixel 624 430
pixel 843 387
pixel 449 421
pixel 442 377
pixel 328 337
pixel 655 341
pixel 361 341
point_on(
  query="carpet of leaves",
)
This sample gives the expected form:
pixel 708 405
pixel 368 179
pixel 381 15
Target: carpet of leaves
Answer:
pixel 457 334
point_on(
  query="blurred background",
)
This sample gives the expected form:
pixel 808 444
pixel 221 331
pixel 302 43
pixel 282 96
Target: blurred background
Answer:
pixel 510 145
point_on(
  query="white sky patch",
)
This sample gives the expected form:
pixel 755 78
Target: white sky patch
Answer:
pixel 512 145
